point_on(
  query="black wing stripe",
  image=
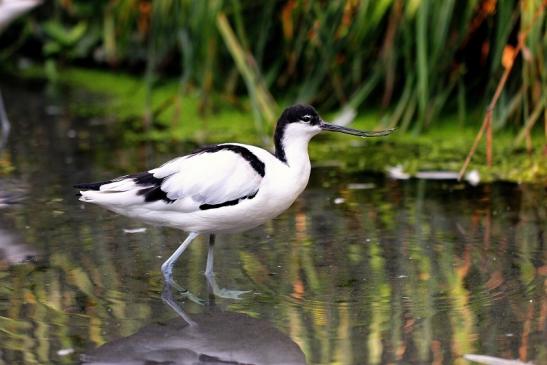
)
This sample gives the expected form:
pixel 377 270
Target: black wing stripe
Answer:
pixel 227 203
pixel 91 186
pixel 152 185
pixel 250 157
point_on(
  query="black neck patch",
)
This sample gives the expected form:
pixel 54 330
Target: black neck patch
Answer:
pixel 250 157
pixel 278 141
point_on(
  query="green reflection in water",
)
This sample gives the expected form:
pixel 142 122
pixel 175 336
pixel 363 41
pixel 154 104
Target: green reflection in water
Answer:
pixel 417 272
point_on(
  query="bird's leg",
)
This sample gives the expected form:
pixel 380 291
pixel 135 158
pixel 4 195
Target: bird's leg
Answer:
pixel 210 256
pixel 167 266
pixel 221 292
pixel 209 274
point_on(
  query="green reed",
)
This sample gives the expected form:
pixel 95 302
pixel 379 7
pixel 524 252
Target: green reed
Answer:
pixel 413 59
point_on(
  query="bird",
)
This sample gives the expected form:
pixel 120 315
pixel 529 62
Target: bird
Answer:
pixel 222 188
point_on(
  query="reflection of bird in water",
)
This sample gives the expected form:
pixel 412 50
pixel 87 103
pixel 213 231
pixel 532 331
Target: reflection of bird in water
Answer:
pixel 13 249
pixel 12 192
pixel 211 338
pixel 222 188
pixel 9 11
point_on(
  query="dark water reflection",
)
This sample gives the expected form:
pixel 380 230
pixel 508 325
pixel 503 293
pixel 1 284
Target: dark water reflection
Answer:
pixel 411 272
pixel 216 336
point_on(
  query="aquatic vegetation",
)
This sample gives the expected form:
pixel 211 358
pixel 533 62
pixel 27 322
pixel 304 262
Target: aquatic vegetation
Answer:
pixel 362 268
pixel 120 97
pixel 417 60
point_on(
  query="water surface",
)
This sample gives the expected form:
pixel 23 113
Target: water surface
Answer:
pixel 361 270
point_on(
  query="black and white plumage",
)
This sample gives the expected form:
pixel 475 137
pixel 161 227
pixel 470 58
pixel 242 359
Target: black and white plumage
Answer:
pixel 185 191
pixel 223 188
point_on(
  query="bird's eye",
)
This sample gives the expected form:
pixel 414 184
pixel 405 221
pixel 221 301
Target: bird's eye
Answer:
pixel 306 118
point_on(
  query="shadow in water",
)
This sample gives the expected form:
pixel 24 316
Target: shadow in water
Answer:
pixel 13 247
pixel 214 337
pixel 13 250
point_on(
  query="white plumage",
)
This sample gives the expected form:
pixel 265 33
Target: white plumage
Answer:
pixel 222 188
pixel 206 179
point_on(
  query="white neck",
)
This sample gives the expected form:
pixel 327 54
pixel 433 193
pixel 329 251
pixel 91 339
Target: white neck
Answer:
pixel 296 153
pixel 295 146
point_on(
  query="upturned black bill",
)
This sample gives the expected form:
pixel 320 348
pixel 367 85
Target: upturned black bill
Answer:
pixel 337 128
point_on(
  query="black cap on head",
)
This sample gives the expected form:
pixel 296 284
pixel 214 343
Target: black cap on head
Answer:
pixel 300 113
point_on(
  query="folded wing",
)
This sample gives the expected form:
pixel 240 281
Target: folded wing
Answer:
pixel 210 178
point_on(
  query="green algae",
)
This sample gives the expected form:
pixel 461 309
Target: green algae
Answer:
pixel 123 98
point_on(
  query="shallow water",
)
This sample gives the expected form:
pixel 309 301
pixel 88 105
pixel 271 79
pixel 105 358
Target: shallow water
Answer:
pixel 361 270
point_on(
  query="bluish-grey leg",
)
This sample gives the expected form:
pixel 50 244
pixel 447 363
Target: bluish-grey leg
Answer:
pixel 167 266
pixel 210 275
pixel 210 256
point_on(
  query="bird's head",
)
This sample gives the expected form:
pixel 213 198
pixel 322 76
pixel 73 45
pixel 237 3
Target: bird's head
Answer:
pixel 299 120
pixel 299 123
pixel 304 120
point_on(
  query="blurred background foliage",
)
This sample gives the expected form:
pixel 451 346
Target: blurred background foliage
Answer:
pixel 386 271
pixel 412 60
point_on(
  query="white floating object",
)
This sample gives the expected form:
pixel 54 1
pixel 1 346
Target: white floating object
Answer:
pixel 473 177
pixel 437 175
pixel 491 360
pixel 397 173
pixel 65 352
pixel 339 200
pixel 134 230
